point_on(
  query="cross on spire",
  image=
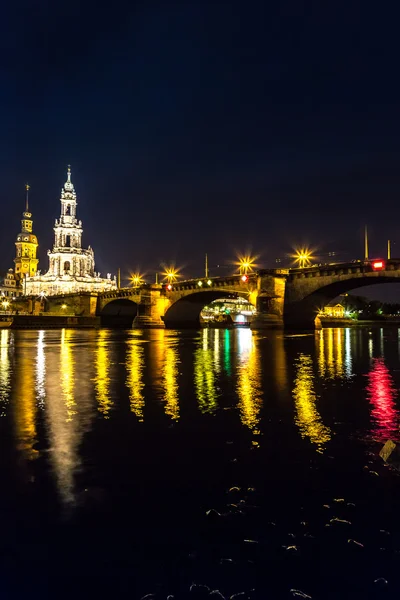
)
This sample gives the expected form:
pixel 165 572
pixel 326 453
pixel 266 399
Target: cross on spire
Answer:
pixel 27 187
pixel 69 173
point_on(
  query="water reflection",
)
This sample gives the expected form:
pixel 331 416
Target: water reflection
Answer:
pixel 24 404
pixel 308 419
pixel 333 351
pixel 69 370
pixel 40 370
pixel 382 393
pixel 102 367
pixel 227 352
pixel 5 370
pixel 204 373
pixel 170 373
pixel 249 380
pixel 134 378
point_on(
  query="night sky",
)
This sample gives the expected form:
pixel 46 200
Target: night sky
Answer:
pixel 198 126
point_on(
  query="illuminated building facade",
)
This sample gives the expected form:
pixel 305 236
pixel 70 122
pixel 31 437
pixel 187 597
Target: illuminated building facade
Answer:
pixel 26 244
pixel 71 267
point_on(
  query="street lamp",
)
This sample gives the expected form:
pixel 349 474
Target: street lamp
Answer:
pixel 246 264
pixel 171 274
pixel 136 279
pixel 303 257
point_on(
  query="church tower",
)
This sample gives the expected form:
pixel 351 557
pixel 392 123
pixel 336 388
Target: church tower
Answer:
pixel 26 246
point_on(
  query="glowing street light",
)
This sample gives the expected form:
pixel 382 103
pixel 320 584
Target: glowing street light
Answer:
pixel 303 257
pixel 5 304
pixel 136 279
pixel 246 264
pixel 171 274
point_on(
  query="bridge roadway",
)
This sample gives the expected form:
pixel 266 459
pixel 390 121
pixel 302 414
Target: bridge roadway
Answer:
pixel 289 297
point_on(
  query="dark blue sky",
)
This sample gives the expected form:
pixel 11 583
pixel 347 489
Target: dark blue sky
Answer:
pixel 198 126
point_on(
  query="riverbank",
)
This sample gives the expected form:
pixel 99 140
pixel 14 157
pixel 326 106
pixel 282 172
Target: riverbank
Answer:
pixel 51 322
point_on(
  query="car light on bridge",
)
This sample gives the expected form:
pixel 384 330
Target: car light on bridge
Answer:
pixel 244 278
pixel 377 265
pixel 169 287
pixel 209 282
pixel 199 283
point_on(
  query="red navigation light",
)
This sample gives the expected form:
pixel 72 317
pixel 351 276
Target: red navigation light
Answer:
pixel 244 278
pixel 169 287
pixel 377 265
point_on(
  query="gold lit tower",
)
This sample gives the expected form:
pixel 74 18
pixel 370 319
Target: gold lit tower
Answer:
pixel 26 246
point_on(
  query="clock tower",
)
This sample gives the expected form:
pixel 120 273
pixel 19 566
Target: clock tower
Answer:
pixel 26 246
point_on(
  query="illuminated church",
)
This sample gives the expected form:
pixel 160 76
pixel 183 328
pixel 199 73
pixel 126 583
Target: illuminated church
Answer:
pixel 71 267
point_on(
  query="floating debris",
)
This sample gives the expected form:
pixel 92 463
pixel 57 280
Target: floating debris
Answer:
pixel 251 489
pixel 384 531
pixel 381 581
pixel 350 504
pixel 234 489
pixel 199 589
pixel 251 541
pixel 336 520
pixel 374 473
pixel 326 506
pixel 338 499
pixel 291 548
pixel 217 594
pixel 355 543
pixel 300 594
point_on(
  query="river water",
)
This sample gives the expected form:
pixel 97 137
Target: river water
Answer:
pixel 138 462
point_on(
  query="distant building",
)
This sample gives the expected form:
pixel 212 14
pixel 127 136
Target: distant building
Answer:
pixel 336 312
pixel 8 285
pixel 71 267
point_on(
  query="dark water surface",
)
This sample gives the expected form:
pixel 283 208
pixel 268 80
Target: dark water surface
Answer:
pixel 143 462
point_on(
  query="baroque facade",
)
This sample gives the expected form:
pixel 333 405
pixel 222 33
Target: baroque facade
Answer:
pixel 25 261
pixel 71 267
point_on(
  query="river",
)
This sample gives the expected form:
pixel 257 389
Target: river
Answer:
pixel 146 462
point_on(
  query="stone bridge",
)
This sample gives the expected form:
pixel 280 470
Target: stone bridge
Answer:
pixel 290 297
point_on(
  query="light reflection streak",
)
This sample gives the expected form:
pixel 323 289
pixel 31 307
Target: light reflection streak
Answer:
pixel 40 370
pixel 67 420
pixel 24 403
pixel 249 380
pixel 67 368
pixel 332 360
pixel 381 393
pixel 170 376
pixel 134 378
pixel 347 355
pixel 308 419
pixel 216 351
pixel 102 367
pixel 227 351
pixel 5 371
pixel 204 375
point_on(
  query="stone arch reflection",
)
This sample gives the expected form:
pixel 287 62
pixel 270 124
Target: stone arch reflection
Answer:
pixel 134 378
pixel 308 419
pixel 249 379
pixel 381 393
pixel 204 372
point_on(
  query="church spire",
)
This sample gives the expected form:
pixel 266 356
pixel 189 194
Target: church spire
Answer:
pixel 69 173
pixel 27 187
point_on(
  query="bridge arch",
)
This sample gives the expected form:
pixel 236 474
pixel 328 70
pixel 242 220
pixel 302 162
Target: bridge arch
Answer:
pixel 302 313
pixel 185 311
pixel 118 313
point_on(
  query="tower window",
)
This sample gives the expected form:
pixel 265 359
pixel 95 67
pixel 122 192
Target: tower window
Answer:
pixel 68 240
pixel 68 209
pixel 67 266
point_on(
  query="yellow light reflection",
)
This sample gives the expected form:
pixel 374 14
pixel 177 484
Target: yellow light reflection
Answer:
pixel 5 371
pixel 102 367
pixel 171 382
pixel 134 378
pixel 308 419
pixel 347 354
pixel 24 403
pixel 330 352
pixel 249 380
pixel 67 368
pixel 40 370
pixel 204 375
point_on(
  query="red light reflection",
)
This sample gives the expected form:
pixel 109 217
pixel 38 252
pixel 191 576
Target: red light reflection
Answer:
pixel 382 394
